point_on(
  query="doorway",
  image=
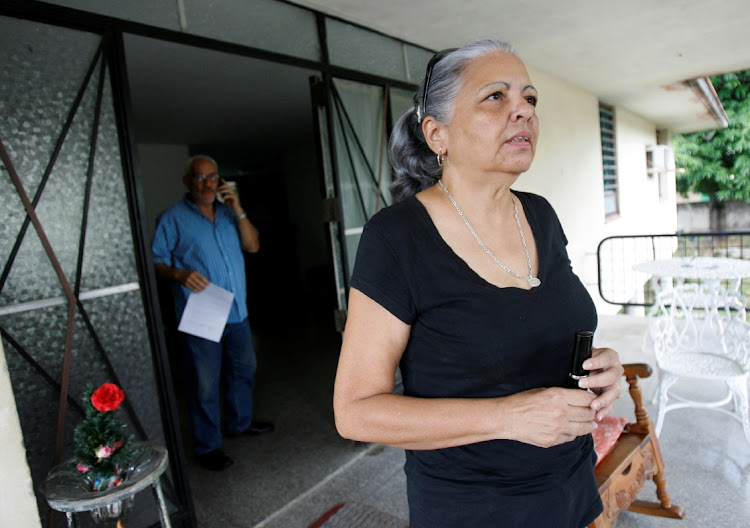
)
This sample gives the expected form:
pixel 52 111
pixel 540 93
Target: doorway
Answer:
pixel 256 119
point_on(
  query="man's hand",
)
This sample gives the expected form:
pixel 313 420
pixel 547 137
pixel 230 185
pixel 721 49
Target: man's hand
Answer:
pixel 229 194
pixel 191 279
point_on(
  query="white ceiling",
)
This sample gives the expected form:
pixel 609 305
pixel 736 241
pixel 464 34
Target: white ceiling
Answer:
pixel 631 53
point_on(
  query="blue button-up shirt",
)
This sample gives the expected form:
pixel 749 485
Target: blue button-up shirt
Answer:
pixel 186 239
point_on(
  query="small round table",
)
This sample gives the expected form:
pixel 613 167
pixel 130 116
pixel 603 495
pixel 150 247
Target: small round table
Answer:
pixel 68 490
pixel 712 270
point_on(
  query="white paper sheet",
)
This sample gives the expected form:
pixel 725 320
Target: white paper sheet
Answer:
pixel 206 313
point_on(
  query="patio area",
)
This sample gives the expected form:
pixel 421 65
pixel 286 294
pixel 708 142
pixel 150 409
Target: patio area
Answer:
pixel 289 478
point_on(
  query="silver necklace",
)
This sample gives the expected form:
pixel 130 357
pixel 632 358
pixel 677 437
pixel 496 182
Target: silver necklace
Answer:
pixel 533 281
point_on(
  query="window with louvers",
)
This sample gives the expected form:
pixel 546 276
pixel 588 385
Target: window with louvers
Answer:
pixel 609 158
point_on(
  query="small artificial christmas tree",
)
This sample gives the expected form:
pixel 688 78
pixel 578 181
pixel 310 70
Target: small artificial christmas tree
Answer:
pixel 102 447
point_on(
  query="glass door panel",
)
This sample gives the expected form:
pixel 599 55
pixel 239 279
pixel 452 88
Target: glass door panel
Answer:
pixel 71 310
pixel 353 128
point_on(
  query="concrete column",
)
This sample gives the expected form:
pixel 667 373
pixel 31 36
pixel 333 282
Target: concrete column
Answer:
pixel 17 500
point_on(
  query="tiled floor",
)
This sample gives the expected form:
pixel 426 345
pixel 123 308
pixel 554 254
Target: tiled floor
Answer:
pixel 289 478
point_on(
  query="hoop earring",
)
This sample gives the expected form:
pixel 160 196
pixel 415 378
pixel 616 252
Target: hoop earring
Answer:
pixel 440 157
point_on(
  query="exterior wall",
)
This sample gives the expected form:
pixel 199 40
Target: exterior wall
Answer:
pixel 17 501
pixel 696 218
pixel 642 209
pixel 567 170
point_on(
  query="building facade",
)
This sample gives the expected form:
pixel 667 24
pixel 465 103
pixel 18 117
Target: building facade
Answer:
pixel 85 96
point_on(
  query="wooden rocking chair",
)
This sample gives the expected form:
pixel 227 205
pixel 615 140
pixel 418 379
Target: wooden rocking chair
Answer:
pixel 635 457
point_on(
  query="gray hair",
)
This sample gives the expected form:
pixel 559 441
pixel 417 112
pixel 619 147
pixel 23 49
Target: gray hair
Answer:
pixel 192 159
pixel 414 164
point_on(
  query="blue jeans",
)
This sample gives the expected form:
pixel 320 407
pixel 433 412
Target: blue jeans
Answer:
pixel 232 361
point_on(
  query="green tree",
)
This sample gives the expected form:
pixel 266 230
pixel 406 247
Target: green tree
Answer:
pixel 717 163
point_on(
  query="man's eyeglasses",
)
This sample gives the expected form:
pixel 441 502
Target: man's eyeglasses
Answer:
pixel 200 177
pixel 428 77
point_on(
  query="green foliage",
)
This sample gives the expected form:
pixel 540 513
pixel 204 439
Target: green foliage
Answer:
pixel 717 163
pixel 99 429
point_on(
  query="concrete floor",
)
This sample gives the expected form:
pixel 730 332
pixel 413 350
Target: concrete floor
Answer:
pixel 291 477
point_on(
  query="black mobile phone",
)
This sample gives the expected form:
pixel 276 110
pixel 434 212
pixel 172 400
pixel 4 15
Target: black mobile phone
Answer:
pixel 219 197
pixel 581 352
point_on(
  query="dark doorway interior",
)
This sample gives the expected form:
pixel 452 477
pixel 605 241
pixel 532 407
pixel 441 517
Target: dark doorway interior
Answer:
pixel 255 119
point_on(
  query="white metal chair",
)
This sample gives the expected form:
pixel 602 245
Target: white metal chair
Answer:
pixel 700 332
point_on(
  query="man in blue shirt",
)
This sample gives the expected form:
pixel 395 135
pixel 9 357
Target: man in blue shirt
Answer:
pixel 200 240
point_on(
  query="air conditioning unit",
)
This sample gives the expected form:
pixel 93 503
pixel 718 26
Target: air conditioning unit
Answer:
pixel 658 159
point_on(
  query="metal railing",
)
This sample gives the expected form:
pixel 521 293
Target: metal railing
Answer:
pixel 616 256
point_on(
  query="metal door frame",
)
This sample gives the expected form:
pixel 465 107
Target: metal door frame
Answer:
pixel 114 30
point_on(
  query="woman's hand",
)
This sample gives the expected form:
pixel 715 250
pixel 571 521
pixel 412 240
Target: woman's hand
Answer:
pixel 549 417
pixel 604 379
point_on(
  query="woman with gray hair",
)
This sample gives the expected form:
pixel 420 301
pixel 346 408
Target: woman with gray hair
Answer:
pixel 466 284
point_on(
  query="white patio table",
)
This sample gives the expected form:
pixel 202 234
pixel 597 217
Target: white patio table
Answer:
pixel 710 270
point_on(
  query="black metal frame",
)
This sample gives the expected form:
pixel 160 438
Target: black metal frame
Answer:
pixel 144 265
pixel 328 86
pixel 345 123
pixel 113 30
pixel 333 101
pixel 85 20
pixel 112 56
pixel 683 239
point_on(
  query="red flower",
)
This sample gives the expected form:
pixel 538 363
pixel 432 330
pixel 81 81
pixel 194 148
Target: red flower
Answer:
pixel 108 397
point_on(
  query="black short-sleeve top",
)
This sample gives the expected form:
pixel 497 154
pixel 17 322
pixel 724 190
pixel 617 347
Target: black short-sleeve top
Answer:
pixel 471 339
